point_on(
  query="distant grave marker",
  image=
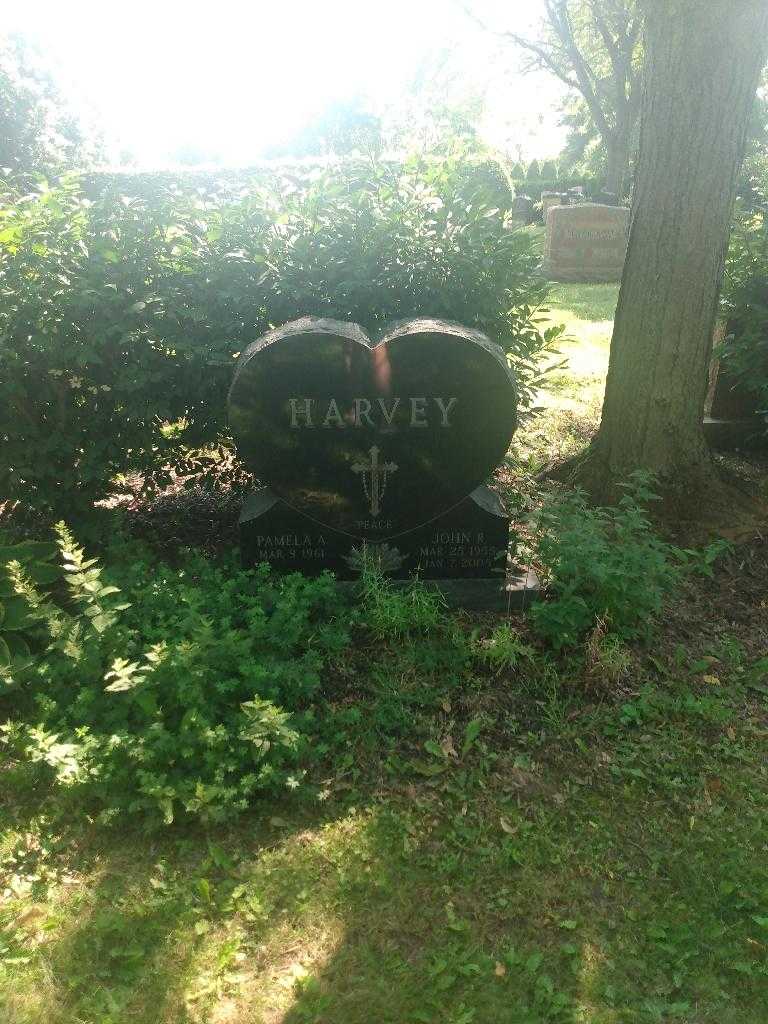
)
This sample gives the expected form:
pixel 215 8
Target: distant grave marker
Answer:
pixel 522 210
pixel 734 416
pixel 550 199
pixel 586 242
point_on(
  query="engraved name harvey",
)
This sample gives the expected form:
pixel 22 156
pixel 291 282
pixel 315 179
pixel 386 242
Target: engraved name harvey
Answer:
pixel 367 412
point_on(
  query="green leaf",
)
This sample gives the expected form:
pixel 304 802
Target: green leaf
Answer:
pixel 44 573
pixel 16 614
pixel 434 749
pixel 471 733
pixel 18 646
pixel 5 654
pixel 28 550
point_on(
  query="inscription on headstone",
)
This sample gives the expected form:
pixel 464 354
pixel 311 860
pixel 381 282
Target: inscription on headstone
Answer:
pixel 469 542
pixel 586 242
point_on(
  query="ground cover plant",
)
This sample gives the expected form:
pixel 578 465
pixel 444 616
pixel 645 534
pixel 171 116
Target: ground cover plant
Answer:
pixel 206 666
pixel 487 836
pixel 603 564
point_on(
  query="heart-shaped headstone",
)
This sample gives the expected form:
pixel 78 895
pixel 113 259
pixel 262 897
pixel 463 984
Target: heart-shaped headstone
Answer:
pixel 372 438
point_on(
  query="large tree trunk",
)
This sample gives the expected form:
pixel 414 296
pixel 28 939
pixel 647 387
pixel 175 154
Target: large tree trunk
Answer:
pixel 703 58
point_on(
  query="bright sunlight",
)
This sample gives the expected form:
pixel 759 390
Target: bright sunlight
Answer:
pixel 228 83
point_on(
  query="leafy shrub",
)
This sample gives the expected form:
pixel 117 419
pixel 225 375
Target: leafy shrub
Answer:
pixel 603 565
pixel 123 309
pixel 21 619
pixel 189 701
pixel 744 353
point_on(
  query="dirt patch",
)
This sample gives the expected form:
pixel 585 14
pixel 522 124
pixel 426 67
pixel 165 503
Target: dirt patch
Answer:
pixel 710 614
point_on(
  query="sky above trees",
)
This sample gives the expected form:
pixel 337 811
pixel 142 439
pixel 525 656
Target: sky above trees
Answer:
pixel 228 81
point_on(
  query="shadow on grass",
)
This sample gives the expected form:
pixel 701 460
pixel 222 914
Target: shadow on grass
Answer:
pixel 582 902
pixel 605 881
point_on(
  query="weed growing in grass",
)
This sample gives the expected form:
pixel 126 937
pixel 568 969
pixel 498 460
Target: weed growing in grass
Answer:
pixel 503 650
pixel 607 566
pixel 393 612
pixel 608 659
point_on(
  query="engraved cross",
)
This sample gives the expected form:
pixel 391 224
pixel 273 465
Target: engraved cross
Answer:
pixel 374 474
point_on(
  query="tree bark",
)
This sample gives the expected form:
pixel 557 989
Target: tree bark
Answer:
pixel 617 162
pixel 703 59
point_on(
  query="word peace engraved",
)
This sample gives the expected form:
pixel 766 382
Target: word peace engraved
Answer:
pixel 374 475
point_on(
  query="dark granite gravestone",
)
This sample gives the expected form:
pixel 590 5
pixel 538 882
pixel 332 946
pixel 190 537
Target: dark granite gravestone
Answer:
pixel 375 444
pixel 522 210
pixel 734 417
pixel 606 198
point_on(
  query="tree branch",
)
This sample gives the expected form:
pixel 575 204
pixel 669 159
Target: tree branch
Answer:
pixel 557 13
pixel 537 48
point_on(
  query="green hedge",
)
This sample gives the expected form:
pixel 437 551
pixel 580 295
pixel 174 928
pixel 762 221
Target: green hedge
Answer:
pixel 123 308
pixel 744 301
pixel 533 187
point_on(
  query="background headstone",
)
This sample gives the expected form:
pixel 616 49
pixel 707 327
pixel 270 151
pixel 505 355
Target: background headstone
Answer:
pixel 587 242
pixel 550 199
pixel 522 210
pixel 733 417
pixel 606 198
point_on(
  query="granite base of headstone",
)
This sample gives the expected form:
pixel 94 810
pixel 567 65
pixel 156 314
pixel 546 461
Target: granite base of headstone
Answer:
pixel 463 552
pixel 586 242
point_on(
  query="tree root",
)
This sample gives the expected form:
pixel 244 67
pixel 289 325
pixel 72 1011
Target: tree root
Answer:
pixel 694 506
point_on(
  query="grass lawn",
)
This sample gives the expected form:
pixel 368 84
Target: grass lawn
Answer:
pixel 581 861
pixel 548 840
pixel 588 302
pixel 572 400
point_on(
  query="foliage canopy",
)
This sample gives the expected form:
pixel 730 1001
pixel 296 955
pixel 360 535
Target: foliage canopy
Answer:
pixel 124 308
